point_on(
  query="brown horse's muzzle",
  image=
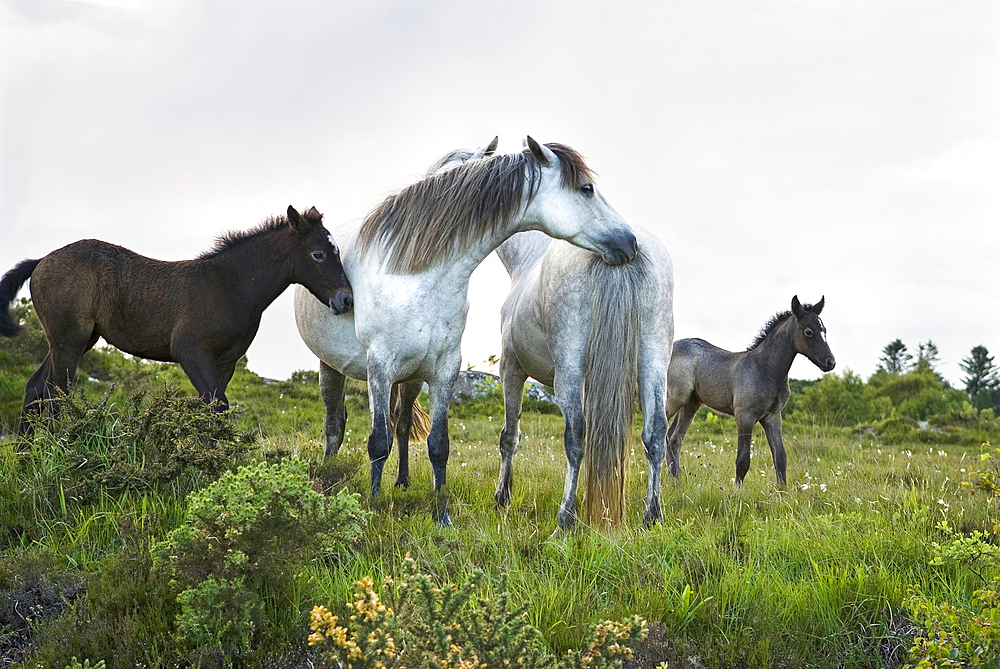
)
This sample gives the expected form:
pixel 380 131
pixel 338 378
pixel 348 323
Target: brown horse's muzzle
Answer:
pixel 342 302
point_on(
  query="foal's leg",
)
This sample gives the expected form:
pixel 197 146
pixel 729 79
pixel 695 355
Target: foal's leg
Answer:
pixel 569 382
pixel 772 430
pixel 652 387
pixel 199 366
pixel 36 391
pixel 404 421
pixel 678 428
pixel 744 434
pixel 331 389
pixel 512 378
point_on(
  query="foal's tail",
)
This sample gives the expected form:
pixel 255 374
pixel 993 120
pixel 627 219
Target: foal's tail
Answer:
pixel 9 285
pixel 610 387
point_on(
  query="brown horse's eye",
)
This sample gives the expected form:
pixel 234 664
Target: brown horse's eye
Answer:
pixel 808 332
pixel 319 256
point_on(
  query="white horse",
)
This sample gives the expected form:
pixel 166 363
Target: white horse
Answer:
pixel 409 265
pixel 592 331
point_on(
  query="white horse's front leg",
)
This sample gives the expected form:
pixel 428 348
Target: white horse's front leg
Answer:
pixel 437 441
pixel 512 378
pixel 380 438
pixel 568 387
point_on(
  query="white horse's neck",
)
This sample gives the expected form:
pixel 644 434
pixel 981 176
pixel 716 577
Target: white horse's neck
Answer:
pixel 523 250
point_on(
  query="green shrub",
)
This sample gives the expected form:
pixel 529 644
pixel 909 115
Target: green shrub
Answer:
pixel 235 559
pixel 453 627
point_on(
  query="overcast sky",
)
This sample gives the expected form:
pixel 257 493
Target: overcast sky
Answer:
pixel 849 149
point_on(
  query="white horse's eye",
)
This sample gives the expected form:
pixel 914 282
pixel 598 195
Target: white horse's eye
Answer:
pixel 588 189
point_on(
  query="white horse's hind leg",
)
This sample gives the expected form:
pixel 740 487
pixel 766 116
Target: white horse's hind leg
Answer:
pixel 568 392
pixel 331 389
pixel 652 387
pixel 512 378
pixel 404 421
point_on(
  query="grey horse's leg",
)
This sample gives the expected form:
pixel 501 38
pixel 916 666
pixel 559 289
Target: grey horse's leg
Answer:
pixel 438 444
pixel 654 435
pixel 512 378
pixel 569 394
pixel 404 421
pixel 380 438
pixel 772 430
pixel 744 434
pixel 331 389
pixel 678 428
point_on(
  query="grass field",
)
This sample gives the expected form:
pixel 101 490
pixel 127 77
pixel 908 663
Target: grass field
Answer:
pixel 815 574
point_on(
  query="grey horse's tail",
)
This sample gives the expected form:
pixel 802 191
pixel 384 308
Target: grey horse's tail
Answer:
pixel 9 285
pixel 610 387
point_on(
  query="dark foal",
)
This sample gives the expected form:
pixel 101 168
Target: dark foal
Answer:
pixel 752 386
pixel 201 313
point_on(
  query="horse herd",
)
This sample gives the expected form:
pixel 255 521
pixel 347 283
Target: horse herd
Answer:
pixel 590 312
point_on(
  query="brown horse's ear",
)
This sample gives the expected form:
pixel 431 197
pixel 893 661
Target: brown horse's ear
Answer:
pixel 542 153
pixel 818 307
pixel 314 215
pixel 797 307
pixel 299 224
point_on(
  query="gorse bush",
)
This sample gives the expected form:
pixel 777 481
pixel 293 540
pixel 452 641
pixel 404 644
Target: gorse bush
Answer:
pixel 453 627
pixel 235 560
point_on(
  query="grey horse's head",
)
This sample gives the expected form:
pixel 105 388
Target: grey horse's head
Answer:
pixel 810 334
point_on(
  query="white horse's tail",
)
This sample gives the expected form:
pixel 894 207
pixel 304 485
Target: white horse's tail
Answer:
pixel 610 387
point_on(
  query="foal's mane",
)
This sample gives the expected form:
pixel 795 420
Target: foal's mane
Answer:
pixel 448 212
pixel 770 326
pixel 234 238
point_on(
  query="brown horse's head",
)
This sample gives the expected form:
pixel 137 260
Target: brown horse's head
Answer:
pixel 810 334
pixel 316 262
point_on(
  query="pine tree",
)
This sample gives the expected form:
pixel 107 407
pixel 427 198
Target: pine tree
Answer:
pixel 895 359
pixel 982 383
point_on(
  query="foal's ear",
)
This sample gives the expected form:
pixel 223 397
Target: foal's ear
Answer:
pixel 542 153
pixel 299 224
pixel 797 307
pixel 818 307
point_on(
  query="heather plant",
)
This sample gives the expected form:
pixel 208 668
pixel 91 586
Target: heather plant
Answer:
pixel 235 559
pixel 454 626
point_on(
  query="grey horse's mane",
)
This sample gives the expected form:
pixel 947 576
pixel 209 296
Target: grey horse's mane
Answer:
pixel 229 240
pixel 770 326
pixel 448 212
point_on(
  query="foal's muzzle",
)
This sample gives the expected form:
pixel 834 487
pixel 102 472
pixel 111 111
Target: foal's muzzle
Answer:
pixel 623 247
pixel 342 302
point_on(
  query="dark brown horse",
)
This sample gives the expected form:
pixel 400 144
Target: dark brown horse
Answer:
pixel 752 385
pixel 201 313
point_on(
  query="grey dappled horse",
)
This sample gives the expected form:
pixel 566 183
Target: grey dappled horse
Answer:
pixel 201 313
pixel 752 385
pixel 409 263
pixel 598 334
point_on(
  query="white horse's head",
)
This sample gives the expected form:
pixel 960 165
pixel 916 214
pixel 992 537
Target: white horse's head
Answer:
pixel 567 205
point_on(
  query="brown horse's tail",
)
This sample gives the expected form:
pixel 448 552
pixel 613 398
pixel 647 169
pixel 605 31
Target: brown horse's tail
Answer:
pixel 610 388
pixel 421 426
pixel 9 285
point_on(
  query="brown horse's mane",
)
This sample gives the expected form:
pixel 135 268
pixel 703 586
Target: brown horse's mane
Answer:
pixel 447 213
pixel 233 238
pixel 770 326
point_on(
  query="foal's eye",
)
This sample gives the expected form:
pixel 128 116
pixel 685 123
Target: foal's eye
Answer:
pixel 587 189
pixel 808 332
pixel 319 256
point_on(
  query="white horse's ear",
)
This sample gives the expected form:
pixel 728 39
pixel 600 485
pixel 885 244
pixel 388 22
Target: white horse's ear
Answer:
pixel 542 153
pixel 491 147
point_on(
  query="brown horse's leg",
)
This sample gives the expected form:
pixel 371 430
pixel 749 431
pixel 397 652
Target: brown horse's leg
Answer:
pixel 404 421
pixel 200 369
pixel 512 378
pixel 744 433
pixel 36 391
pixel 772 430
pixel 331 389
pixel 675 435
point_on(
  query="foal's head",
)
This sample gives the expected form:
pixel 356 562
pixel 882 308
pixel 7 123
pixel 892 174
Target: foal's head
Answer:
pixel 316 261
pixel 810 334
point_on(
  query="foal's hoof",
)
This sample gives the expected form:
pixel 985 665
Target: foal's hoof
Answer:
pixel 403 483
